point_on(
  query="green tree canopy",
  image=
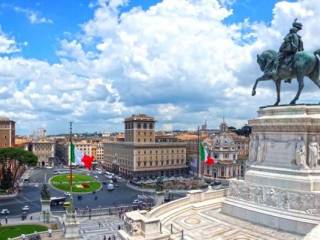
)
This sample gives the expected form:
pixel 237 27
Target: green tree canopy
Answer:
pixel 12 160
pixel 22 156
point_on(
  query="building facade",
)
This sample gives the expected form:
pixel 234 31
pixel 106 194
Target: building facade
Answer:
pixel 7 132
pixel 226 147
pixel 140 155
pixel 44 150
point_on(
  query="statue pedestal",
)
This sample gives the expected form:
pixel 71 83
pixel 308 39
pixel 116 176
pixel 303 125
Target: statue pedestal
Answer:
pixel 71 224
pixel 45 211
pixel 282 184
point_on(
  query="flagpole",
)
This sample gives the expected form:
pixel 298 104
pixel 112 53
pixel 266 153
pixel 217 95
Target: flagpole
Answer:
pixel 198 155
pixel 70 168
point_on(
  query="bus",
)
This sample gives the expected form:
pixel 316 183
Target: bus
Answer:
pixel 55 201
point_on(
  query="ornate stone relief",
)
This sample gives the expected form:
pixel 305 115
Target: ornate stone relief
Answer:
pixel 275 197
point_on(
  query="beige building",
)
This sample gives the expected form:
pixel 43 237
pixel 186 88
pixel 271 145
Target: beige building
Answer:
pixel 99 152
pixel 44 150
pixel 85 147
pixel 7 132
pixel 141 155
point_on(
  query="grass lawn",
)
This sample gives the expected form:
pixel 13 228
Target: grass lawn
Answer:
pixel 80 183
pixel 16 230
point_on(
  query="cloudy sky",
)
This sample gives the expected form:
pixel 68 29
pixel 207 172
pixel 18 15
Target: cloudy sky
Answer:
pixel 181 61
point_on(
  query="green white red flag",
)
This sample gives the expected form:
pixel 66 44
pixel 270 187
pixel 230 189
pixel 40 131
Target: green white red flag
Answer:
pixel 205 156
pixel 79 158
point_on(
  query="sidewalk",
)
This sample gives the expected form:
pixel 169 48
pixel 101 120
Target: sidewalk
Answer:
pixel 31 218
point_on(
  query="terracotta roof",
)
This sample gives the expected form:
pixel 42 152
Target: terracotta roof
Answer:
pixel 187 137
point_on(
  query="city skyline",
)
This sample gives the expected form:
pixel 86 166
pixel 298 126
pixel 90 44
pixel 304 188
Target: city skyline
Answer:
pixel 97 62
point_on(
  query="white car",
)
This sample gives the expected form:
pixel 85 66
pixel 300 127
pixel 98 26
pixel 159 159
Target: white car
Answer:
pixel 26 208
pixel 5 211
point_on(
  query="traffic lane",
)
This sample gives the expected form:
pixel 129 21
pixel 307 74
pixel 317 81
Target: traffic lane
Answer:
pixel 28 196
pixel 103 198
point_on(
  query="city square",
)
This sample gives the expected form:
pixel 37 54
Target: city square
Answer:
pixel 159 120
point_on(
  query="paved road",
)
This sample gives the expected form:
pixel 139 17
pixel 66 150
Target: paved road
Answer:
pixel 30 195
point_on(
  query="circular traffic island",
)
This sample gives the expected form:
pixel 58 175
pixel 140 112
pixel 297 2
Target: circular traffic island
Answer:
pixel 80 183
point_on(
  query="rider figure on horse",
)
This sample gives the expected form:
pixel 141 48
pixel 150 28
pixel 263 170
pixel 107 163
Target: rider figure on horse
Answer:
pixel 291 45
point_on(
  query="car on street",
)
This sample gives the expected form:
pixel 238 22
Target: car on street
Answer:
pixel 26 208
pixel 96 177
pixel 110 187
pixel 5 211
pixel 67 194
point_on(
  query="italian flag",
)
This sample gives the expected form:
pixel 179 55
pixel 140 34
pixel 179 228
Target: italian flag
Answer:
pixel 204 156
pixel 76 157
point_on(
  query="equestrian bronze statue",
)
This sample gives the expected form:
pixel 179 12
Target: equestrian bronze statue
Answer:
pixel 290 62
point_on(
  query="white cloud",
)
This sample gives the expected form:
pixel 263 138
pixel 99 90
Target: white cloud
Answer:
pixel 33 16
pixel 177 61
pixel 7 44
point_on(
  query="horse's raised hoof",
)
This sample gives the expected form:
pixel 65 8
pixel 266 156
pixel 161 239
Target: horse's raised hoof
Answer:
pixel 276 104
pixel 293 102
pixel 253 92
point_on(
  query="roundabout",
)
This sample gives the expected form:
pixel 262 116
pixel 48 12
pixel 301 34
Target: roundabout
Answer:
pixel 80 183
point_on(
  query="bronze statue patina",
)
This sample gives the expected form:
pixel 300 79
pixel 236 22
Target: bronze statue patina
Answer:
pixel 290 62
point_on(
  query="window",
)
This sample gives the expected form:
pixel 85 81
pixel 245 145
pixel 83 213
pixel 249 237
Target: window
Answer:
pixel 139 125
pixel 167 162
pixel 151 125
pixel 144 163
pixel 172 162
pixel 144 125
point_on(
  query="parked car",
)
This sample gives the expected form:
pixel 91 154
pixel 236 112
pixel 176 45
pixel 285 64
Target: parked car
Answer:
pixel 26 208
pixel 5 211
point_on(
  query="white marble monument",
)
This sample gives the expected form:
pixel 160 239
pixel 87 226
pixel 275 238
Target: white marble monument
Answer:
pixel 71 226
pixel 282 184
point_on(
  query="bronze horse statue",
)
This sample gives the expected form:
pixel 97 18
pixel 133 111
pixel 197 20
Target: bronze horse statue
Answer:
pixel 303 64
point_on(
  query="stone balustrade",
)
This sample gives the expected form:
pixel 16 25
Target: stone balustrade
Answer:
pixel 56 234
pixel 193 196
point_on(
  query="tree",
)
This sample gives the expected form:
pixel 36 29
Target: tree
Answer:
pixel 6 181
pixel 13 160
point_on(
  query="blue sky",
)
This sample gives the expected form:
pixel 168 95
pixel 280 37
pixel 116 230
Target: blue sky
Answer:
pixel 67 17
pixel 181 61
